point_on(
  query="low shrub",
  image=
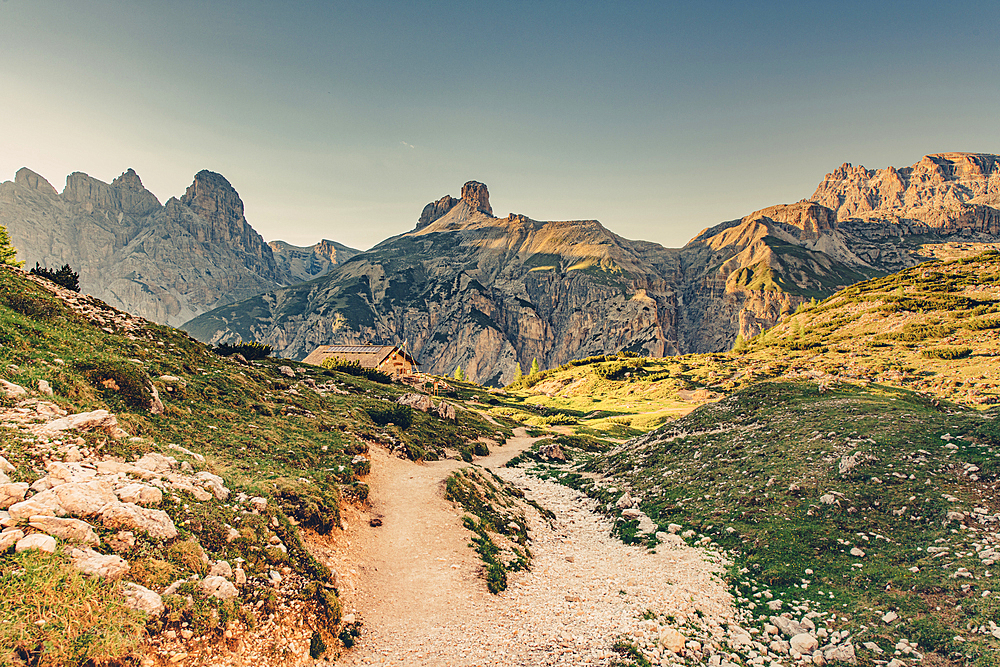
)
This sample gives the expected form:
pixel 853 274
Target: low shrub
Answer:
pixel 123 378
pixel 356 369
pixel 250 351
pixel 391 413
pixel 950 352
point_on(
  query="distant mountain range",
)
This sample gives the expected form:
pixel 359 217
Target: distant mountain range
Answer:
pixel 465 287
pixel 167 263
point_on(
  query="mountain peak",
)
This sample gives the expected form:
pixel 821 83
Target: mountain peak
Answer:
pixel 214 198
pixel 29 179
pixel 478 196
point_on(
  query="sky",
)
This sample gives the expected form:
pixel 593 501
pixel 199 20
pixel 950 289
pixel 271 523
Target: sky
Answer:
pixel 341 120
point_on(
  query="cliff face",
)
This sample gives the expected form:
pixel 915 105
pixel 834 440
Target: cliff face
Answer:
pixel 167 263
pixel 301 264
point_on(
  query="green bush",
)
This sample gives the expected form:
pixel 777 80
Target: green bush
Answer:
pixel 121 377
pixel 250 351
pixel 391 413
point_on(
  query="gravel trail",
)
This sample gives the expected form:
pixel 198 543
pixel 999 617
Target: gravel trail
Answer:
pixel 414 583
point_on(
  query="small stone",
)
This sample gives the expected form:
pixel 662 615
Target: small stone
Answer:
pixel 45 388
pixel 221 568
pixel 286 371
pixel 674 528
pixel 856 552
pixel 890 617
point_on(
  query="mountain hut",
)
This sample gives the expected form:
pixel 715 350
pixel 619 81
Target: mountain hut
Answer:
pixel 389 359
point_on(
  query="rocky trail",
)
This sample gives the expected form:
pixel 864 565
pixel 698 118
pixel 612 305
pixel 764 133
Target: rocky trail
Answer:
pixel 414 583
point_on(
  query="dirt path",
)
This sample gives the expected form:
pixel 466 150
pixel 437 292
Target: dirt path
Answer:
pixel 414 582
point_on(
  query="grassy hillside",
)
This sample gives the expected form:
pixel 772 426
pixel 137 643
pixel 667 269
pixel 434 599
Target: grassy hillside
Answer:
pixel 933 329
pixel 297 442
pixel 848 459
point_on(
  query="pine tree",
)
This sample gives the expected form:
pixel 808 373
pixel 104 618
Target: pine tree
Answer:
pixel 8 253
pixel 518 374
pixel 534 366
pixel 740 344
pixel 459 374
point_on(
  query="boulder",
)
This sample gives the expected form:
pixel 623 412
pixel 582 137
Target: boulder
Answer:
pixel 446 410
pixel 625 501
pixel 631 513
pixel 221 568
pixel 218 587
pixel 69 530
pixel 417 402
pixel 94 564
pixel 11 390
pixel 83 421
pixel 788 627
pixel 72 498
pixel 140 494
pixel 9 538
pixel 12 492
pixel 552 451
pixel 803 643
pixel 213 483
pixel 157 463
pixel 142 599
pixel 672 640
pixel 63 473
pixel 842 653
pixel 132 517
pixel 45 388
pixel 39 541
pixel 286 371
pixel 5 466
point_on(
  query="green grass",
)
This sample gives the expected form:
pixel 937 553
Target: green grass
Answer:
pixel 53 615
pixel 494 516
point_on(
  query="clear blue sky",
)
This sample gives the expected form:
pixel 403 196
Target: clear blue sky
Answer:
pixel 341 120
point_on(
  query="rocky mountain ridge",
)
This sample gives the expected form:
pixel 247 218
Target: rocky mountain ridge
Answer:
pixel 165 262
pixel 470 289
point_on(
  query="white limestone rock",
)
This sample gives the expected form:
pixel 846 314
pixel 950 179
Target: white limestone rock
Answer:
pixel 142 599
pixel 94 564
pixel 69 530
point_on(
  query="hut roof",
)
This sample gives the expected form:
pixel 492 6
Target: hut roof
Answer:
pixel 368 356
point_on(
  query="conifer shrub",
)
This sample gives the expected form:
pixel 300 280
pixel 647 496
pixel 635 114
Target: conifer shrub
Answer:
pixel 949 352
pixel 122 378
pixel 391 413
pixel 251 351
pixel 31 306
pixel 356 369
pixel 64 277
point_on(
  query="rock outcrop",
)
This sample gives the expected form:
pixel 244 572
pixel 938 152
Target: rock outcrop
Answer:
pixel 167 263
